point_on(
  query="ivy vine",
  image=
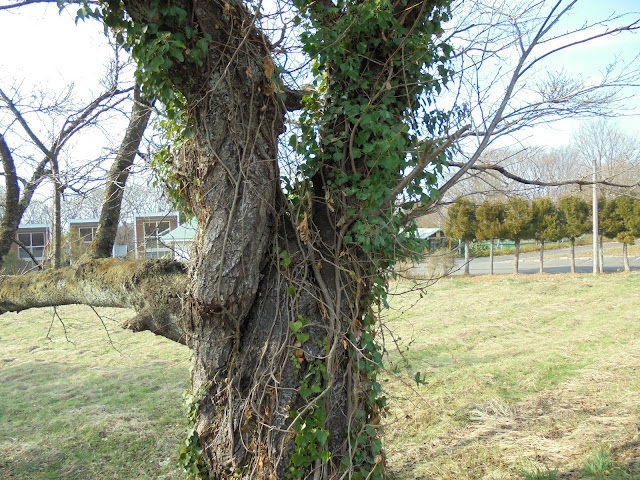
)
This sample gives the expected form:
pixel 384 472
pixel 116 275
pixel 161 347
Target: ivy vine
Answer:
pixel 375 64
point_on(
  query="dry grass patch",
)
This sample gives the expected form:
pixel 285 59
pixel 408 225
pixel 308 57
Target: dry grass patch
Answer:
pixel 523 373
pixel 530 377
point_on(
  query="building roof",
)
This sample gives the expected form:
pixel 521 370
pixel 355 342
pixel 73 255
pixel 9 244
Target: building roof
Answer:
pixel 32 225
pixel 79 221
pixel 160 215
pixel 425 233
pixel 182 233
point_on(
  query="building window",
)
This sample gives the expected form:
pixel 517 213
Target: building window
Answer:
pixel 87 233
pixel 153 247
pixel 34 243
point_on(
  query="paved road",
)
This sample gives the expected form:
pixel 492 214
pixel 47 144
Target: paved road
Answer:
pixel 556 261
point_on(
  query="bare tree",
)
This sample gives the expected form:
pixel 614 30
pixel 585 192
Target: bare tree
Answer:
pixel 23 125
pixel 506 83
pixel 611 155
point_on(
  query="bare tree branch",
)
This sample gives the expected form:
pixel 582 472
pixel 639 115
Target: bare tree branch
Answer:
pixel 526 181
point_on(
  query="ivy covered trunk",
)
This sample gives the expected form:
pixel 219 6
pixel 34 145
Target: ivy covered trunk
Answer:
pixel 265 395
pixel 287 275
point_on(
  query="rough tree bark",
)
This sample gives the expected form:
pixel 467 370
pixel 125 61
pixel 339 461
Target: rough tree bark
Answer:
pixel 237 311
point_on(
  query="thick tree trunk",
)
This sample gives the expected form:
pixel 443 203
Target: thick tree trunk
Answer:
pixel 541 256
pixel 15 204
pixel 152 289
pixel 625 257
pixel 467 259
pixel 573 255
pixel 249 367
pixel 11 215
pixel 516 257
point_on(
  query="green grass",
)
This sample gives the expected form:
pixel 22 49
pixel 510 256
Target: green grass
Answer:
pixel 526 378
pixel 600 464
pixel 537 472
pixel 85 410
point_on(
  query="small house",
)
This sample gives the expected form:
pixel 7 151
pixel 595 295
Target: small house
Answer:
pixel 33 240
pixel 179 240
pixel 435 238
pixel 149 230
pixel 84 230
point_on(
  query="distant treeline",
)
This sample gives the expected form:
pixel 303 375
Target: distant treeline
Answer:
pixel 518 218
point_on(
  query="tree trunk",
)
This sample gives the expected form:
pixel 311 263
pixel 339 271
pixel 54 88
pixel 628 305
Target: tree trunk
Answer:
pixel 466 257
pixel 257 312
pixel 573 255
pixel 11 215
pixel 541 256
pixel 102 244
pixel 601 253
pixel 597 265
pixel 516 257
pixel 278 309
pixel 15 204
pixel 625 257
pixel 491 257
pixel 56 250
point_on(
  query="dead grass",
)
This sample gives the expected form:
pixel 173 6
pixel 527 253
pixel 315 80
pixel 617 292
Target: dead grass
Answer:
pixel 522 372
pixel 528 374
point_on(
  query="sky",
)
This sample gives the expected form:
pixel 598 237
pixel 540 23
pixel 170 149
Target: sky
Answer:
pixel 46 48
pixel 43 47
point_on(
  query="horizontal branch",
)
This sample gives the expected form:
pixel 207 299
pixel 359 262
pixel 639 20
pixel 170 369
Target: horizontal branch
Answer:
pixel 152 288
pixel 503 171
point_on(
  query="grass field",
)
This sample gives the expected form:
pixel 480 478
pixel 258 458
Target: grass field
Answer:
pixel 528 378
pixel 85 410
pixel 533 378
